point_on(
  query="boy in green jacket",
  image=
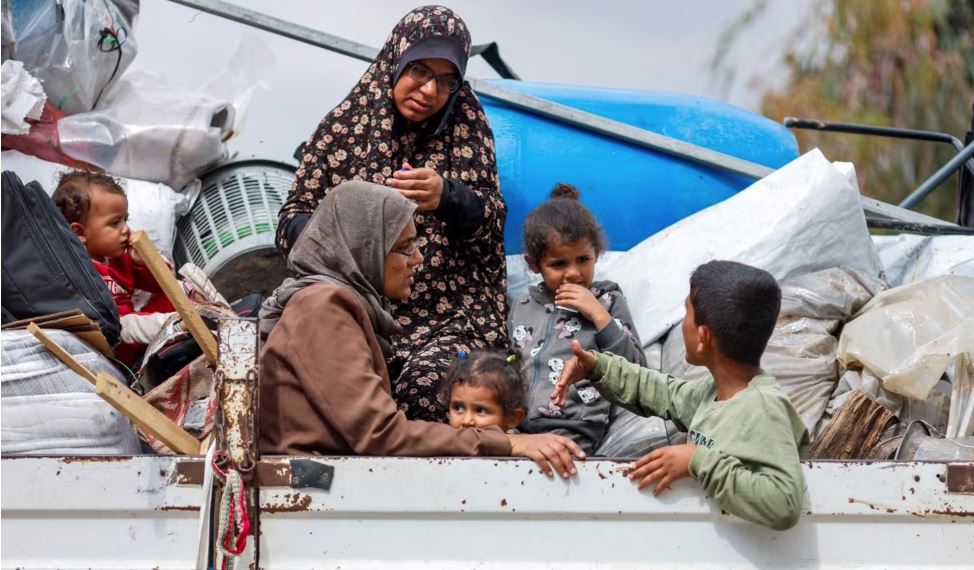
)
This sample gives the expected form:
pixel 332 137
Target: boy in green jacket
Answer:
pixel 745 438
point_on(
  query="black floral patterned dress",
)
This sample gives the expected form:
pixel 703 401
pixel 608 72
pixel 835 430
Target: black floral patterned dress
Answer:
pixel 458 299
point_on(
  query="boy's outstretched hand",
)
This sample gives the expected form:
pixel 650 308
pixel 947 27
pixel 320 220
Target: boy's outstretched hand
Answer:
pixel 664 465
pixel 550 451
pixel 576 369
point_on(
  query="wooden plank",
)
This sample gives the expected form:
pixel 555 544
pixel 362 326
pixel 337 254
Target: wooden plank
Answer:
pixel 160 270
pixel 63 355
pixel 854 431
pixel 74 322
pixel 205 443
pixel 145 416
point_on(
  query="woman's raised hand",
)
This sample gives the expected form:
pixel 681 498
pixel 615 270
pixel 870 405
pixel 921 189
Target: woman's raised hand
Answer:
pixel 576 369
pixel 421 185
pixel 548 450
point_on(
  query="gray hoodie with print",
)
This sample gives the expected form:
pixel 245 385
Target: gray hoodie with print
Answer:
pixel 544 335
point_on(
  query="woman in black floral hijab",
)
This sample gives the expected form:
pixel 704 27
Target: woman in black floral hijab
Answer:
pixel 413 124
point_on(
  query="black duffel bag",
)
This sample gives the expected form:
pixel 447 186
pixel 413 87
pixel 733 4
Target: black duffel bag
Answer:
pixel 45 267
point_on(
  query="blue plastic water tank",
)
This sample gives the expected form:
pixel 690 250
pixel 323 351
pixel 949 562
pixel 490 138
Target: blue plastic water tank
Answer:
pixel 634 192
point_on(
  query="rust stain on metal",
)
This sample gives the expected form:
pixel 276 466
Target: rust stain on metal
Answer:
pixel 293 503
pixel 503 502
pixel 947 511
pixel 951 512
pixel 601 475
pixel 95 459
pixel 236 378
pixel 188 508
pixel 274 473
pixel 188 473
pixel 960 478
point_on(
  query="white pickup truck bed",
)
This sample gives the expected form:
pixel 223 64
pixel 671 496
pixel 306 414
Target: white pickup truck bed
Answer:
pixel 142 512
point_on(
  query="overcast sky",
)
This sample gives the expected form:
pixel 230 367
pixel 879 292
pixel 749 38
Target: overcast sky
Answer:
pixel 646 45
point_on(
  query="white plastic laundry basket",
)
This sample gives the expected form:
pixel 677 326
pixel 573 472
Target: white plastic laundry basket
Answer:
pixel 229 232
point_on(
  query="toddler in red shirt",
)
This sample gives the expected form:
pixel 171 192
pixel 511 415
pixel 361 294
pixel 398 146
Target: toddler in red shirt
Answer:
pixel 97 209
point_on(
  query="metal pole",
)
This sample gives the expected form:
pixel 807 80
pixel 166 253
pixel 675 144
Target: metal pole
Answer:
pixel 922 229
pixel 857 129
pixel 891 132
pixel 621 131
pixel 236 378
pixel 282 28
pixel 938 177
pixel 236 374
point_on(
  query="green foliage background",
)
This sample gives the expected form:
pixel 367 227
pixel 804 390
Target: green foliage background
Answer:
pixel 898 63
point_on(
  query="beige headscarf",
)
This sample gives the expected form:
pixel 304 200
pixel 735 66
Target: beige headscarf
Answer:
pixel 346 242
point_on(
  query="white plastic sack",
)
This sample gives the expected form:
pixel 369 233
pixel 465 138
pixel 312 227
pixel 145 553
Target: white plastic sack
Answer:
pixel 801 351
pixel 909 335
pixel 76 48
pixel 22 98
pixel 630 435
pixel 801 218
pixel 150 131
pixel 153 207
pixel 910 258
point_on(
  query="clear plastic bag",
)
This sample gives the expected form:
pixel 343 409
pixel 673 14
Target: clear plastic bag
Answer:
pixel 8 35
pixel 76 49
pixel 151 131
pixel 909 335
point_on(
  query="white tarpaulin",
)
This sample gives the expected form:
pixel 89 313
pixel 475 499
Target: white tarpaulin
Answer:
pixel 804 217
pixel 909 258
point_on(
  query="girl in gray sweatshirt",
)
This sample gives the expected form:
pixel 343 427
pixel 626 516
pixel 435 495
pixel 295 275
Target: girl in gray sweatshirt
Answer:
pixel 562 242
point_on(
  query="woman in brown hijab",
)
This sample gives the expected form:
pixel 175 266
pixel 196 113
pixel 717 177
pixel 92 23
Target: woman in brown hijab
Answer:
pixel 412 123
pixel 324 385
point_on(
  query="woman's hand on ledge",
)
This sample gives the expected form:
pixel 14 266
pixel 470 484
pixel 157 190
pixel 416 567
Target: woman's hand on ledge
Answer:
pixel 421 185
pixel 549 451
